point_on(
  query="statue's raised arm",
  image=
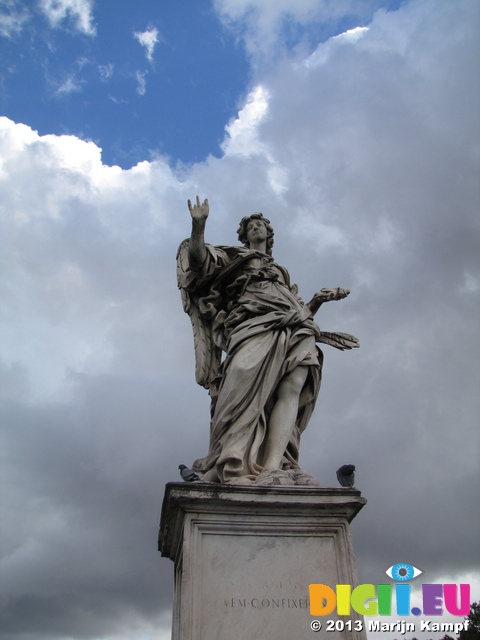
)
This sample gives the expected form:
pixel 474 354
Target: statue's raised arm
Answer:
pixel 196 251
pixel 262 395
pixel 191 257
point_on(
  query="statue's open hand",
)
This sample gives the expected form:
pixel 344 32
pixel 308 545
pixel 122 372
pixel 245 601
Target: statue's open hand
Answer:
pixel 199 211
pixel 325 295
pixel 334 294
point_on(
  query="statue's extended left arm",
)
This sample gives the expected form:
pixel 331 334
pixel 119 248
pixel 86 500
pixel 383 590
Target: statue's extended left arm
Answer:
pixel 325 295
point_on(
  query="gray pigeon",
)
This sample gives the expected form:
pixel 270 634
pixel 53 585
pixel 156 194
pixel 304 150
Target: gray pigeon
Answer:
pixel 188 474
pixel 346 475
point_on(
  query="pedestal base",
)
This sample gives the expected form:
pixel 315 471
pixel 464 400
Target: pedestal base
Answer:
pixel 244 558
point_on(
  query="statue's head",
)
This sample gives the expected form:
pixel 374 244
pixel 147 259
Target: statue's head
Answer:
pixel 242 230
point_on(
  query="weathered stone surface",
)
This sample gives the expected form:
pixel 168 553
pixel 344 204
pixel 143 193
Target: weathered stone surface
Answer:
pixel 244 557
pixel 242 304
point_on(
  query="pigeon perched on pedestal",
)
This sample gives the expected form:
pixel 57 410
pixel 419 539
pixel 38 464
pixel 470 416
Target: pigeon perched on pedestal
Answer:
pixel 346 475
pixel 188 474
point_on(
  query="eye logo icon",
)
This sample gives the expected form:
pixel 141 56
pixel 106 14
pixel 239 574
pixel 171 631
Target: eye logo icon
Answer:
pixel 403 572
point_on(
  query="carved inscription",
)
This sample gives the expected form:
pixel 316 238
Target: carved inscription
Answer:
pixel 266 603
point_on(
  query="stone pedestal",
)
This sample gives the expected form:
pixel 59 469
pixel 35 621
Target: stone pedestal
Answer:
pixel 245 556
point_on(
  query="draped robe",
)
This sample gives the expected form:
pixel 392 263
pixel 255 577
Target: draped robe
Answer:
pixel 266 331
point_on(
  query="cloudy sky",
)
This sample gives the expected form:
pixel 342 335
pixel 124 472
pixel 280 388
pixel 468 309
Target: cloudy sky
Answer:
pixel 354 126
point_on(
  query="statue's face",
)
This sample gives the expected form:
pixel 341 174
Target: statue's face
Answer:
pixel 256 231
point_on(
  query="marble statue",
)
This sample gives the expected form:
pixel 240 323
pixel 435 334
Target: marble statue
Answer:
pixel 256 352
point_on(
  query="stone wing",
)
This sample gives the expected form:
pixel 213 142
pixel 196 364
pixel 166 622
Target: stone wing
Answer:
pixel 340 341
pixel 207 354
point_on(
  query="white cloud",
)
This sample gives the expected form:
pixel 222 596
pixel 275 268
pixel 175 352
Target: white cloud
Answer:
pixel 260 24
pixel 242 132
pixel 70 85
pixel 141 78
pixel 105 71
pixel 324 49
pixel 243 139
pixel 59 183
pixel 148 39
pixel 78 11
pixel 12 18
pixel 352 34
pixel 269 13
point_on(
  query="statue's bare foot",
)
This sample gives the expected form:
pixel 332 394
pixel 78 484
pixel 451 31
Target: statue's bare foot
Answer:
pixel 289 478
pixel 242 480
pixel 274 477
pixel 304 479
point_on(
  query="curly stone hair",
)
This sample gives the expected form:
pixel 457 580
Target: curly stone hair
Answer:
pixel 242 230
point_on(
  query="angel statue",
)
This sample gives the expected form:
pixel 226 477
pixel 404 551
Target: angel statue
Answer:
pixel 263 391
